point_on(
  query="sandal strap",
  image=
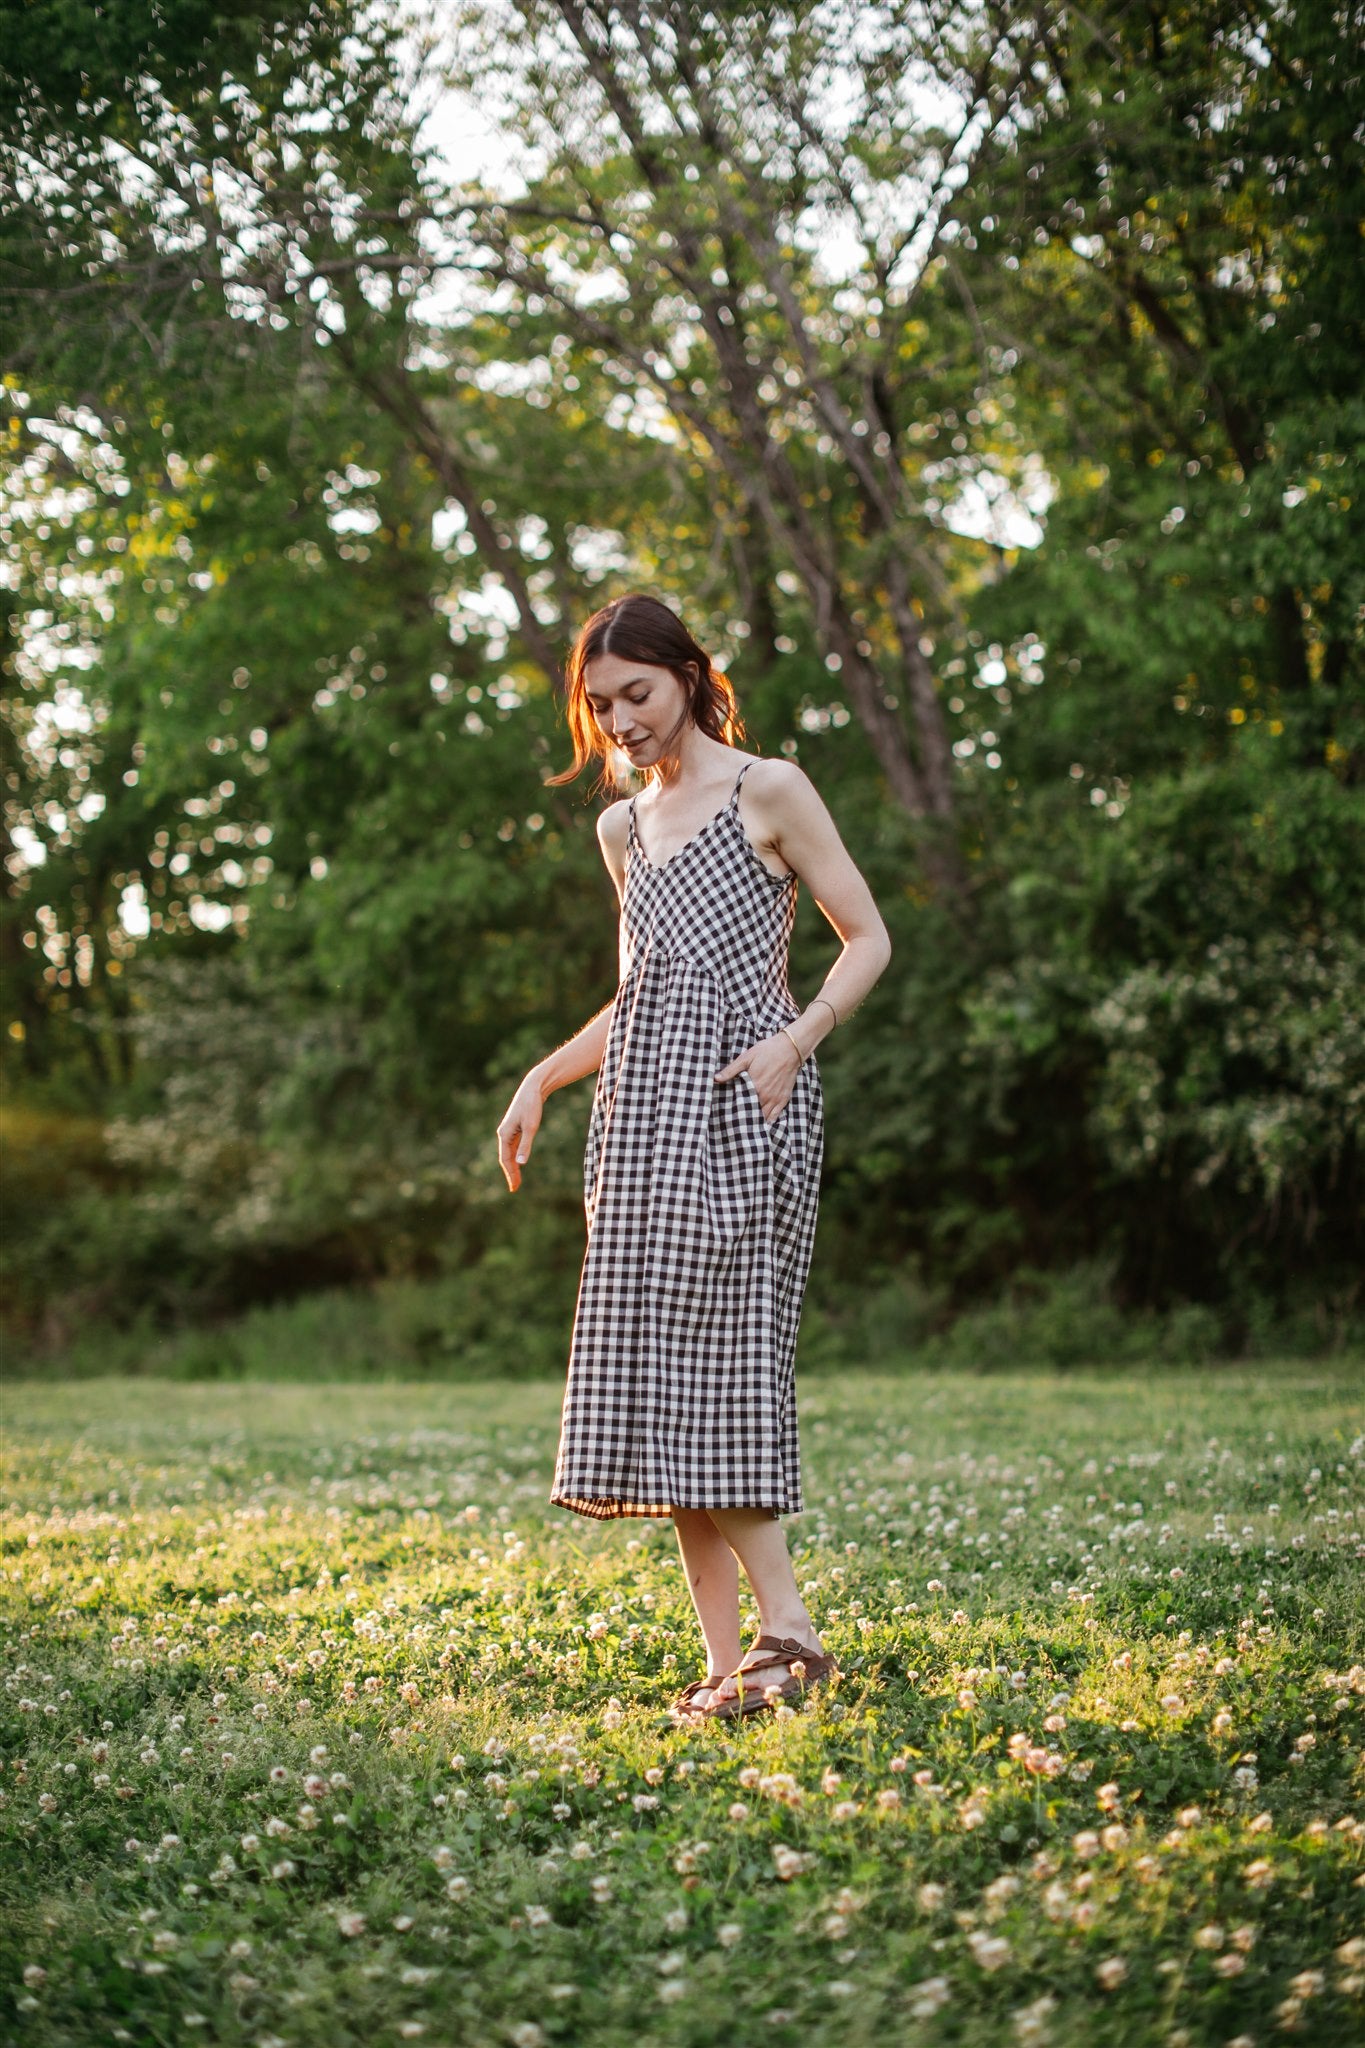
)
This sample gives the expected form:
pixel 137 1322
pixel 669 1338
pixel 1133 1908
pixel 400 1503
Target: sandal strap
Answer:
pixel 747 1671
pixel 788 1645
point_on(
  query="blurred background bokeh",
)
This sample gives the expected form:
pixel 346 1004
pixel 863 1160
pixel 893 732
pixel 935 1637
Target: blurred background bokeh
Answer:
pixel 984 384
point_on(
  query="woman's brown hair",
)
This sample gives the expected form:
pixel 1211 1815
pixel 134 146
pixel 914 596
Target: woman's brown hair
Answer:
pixel 642 628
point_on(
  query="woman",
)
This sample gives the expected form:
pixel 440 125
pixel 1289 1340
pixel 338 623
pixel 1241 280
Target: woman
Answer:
pixel 701 1175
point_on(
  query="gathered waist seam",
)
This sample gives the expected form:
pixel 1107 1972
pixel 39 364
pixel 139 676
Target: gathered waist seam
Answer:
pixel 781 1001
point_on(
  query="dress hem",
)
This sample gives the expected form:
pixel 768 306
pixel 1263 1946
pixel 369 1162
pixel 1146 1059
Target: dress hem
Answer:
pixel 609 1508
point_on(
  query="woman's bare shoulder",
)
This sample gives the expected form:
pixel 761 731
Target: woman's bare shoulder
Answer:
pixel 612 824
pixel 773 769
pixel 779 782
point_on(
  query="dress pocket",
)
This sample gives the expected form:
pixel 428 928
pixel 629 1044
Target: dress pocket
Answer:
pixel 770 1124
pixel 751 1089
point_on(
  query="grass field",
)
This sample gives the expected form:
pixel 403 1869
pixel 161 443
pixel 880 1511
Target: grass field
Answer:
pixel 321 1727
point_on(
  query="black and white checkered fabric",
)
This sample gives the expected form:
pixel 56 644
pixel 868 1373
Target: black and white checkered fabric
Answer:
pixel 701 1214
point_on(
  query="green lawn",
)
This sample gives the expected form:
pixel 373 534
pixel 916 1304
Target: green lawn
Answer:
pixel 321 1727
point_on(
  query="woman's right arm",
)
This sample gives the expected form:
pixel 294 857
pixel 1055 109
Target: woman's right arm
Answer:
pixel 582 1054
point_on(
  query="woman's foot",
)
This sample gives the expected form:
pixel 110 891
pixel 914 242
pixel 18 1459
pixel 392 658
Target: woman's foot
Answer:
pixel 696 1697
pixel 779 1661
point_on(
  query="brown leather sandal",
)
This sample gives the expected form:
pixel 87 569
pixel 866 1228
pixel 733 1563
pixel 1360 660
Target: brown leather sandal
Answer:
pixel 683 1702
pixel 752 1698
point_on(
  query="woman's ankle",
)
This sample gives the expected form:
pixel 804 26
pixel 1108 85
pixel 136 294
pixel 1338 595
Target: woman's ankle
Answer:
pixel 801 1631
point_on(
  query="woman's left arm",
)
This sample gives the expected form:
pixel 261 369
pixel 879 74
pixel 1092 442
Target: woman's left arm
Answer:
pixel 787 813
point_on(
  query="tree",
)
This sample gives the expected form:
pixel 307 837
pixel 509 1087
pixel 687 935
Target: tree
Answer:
pixel 1174 283
pixel 694 169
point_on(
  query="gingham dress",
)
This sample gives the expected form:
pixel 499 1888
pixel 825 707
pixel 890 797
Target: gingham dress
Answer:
pixel 701 1214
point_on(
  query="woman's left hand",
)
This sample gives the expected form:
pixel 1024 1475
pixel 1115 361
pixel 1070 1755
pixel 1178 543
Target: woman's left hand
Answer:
pixel 772 1065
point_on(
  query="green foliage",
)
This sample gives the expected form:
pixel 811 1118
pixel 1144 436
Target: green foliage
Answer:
pixel 301 509
pixel 79 54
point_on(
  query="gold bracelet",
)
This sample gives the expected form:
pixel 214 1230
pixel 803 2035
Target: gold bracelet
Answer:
pixel 829 1006
pixel 800 1056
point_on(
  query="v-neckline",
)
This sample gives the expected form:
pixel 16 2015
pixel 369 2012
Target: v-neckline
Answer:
pixel 658 867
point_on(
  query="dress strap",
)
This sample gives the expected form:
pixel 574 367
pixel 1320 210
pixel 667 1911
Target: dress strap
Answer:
pixel 734 793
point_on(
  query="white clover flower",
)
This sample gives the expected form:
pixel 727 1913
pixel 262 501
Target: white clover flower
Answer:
pixel 1031 2021
pixel 781 1785
pixel 989 1951
pixel 929 1996
pixel 1111 1973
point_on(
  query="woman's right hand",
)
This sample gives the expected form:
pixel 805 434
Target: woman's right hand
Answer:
pixel 517 1131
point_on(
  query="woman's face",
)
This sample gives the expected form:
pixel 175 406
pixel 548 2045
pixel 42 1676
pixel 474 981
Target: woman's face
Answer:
pixel 640 708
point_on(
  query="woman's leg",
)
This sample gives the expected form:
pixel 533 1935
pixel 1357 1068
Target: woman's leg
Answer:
pixel 759 1542
pixel 713 1581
